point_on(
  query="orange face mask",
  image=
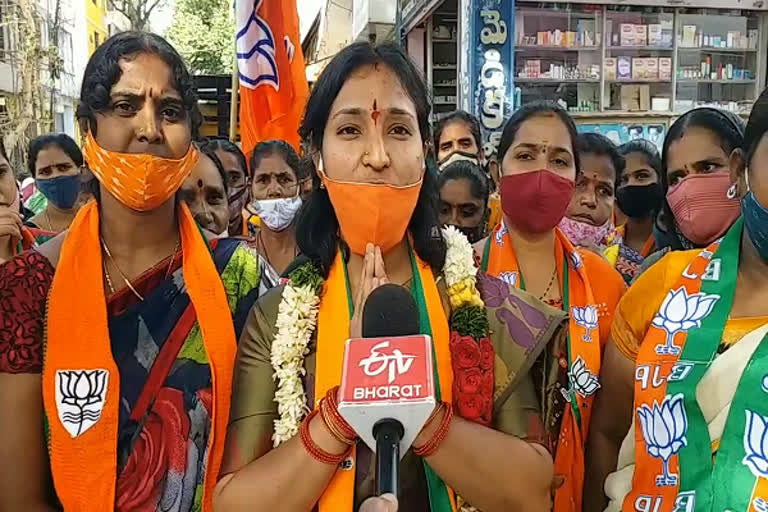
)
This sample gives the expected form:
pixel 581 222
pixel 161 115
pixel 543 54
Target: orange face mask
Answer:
pixel 372 213
pixel 141 182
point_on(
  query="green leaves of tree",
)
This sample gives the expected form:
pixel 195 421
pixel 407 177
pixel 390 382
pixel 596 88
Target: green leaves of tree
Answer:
pixel 203 32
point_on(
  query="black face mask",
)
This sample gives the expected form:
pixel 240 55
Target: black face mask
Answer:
pixel 474 234
pixel 640 201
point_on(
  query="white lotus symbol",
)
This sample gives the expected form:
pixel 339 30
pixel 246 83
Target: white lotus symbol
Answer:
pixel 680 312
pixel 756 444
pixel 509 277
pixel 80 398
pixel 499 236
pixel 587 318
pixel 664 431
pixel 581 381
pixel 576 260
pixel 256 47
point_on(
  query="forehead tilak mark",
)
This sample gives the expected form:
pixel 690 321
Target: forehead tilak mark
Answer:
pixel 375 112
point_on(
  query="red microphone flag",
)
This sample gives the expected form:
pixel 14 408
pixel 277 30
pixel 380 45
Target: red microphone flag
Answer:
pixel 273 84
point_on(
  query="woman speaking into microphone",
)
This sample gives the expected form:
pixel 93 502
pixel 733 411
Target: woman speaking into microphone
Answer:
pixel 371 220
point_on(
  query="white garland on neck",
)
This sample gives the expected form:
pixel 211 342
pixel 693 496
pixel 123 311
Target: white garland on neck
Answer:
pixel 297 320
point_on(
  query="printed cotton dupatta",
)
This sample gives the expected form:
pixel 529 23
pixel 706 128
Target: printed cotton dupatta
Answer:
pixel 80 378
pixel 583 346
pixel 332 333
pixel 673 463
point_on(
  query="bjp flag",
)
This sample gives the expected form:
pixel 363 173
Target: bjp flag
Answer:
pixel 273 85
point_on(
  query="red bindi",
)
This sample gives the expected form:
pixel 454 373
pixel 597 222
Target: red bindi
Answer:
pixel 375 113
pixel 200 183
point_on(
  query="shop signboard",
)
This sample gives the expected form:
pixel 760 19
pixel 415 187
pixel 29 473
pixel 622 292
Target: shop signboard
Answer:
pixel 491 66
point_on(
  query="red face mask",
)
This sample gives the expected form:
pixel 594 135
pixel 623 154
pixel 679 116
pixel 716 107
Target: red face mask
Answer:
pixel 536 201
pixel 701 207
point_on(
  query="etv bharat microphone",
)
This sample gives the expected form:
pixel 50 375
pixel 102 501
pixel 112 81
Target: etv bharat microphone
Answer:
pixel 387 388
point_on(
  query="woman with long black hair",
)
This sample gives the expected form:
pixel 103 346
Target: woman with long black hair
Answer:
pixel 371 220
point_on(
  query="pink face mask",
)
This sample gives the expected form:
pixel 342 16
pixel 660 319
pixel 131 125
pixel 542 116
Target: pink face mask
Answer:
pixel 701 207
pixel 582 234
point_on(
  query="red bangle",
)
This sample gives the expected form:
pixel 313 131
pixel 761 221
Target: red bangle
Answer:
pixel 431 446
pixel 313 449
pixel 337 430
pixel 331 410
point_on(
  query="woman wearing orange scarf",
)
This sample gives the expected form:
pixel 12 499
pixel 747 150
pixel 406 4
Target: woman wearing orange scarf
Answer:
pixel 117 338
pixel 371 220
pixel 539 163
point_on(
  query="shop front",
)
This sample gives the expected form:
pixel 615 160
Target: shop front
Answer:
pixel 623 70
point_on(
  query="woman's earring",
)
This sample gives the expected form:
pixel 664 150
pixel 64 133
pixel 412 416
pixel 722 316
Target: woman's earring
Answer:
pixel 733 191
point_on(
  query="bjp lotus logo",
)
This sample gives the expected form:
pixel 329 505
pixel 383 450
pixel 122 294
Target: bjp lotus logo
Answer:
pixel 664 431
pixel 581 381
pixel 680 312
pixel 576 260
pixel 509 277
pixel 587 318
pixel 499 236
pixel 256 50
pixel 80 396
pixel 756 444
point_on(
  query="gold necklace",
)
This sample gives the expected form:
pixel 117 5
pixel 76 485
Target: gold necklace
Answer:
pixel 50 223
pixel 125 278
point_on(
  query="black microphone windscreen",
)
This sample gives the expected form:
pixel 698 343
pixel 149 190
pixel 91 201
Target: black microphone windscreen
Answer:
pixel 390 311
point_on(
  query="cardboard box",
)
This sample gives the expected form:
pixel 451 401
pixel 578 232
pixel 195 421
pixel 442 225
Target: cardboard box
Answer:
pixel 609 68
pixel 638 68
pixel 627 34
pixel 624 68
pixel 635 98
pixel 660 104
pixel 654 34
pixel 652 68
pixel 689 36
pixel 666 33
pixel 641 35
pixel 665 68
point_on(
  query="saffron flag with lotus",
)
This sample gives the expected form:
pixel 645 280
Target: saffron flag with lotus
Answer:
pixel 270 64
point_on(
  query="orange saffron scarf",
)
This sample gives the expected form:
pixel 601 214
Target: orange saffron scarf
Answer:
pixel 81 384
pixel 332 328
pixel 583 354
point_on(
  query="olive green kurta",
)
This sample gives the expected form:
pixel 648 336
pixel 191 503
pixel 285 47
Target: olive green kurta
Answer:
pixel 520 326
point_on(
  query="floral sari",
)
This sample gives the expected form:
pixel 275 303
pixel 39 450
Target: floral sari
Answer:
pixel 164 416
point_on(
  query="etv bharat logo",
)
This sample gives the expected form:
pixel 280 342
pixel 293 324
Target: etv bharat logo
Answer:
pixel 397 363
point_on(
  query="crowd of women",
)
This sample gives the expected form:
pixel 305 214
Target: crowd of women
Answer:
pixel 173 314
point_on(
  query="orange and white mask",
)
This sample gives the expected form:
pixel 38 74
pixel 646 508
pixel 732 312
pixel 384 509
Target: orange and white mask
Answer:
pixel 140 181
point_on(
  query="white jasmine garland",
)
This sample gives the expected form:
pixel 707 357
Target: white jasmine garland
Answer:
pixel 297 320
pixel 460 257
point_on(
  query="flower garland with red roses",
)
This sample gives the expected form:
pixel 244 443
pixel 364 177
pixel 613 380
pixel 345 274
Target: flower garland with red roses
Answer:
pixel 472 377
pixel 472 354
